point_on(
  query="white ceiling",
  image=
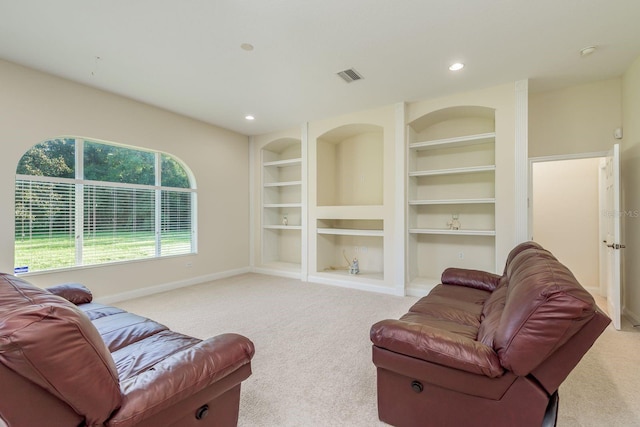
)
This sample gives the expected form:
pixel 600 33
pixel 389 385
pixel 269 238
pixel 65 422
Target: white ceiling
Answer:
pixel 185 55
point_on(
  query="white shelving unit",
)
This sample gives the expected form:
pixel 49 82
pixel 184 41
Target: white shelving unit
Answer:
pixel 451 177
pixel 340 240
pixel 281 217
pixel 348 212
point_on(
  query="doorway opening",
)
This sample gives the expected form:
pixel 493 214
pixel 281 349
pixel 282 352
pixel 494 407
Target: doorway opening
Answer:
pixel 566 201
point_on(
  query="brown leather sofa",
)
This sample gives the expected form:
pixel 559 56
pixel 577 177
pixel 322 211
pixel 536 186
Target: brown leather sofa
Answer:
pixel 68 361
pixel 486 350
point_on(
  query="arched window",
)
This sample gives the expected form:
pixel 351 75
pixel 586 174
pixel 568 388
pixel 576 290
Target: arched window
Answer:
pixel 80 202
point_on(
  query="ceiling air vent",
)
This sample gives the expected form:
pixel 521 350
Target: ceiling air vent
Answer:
pixel 350 75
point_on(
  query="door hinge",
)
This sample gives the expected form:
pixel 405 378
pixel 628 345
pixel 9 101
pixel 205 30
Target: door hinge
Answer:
pixel 616 246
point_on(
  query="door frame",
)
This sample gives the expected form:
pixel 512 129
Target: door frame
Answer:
pixel 554 158
pixel 599 154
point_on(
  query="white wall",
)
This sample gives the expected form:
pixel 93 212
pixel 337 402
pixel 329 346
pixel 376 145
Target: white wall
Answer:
pixel 566 214
pixel 631 190
pixel 35 106
pixel 578 119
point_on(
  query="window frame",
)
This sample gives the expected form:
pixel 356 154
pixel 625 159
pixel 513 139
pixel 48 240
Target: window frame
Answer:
pixel 80 183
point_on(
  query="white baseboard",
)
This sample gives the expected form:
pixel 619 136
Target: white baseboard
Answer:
pixel 418 292
pixel 634 318
pixel 150 290
pixel 275 272
pixel 355 285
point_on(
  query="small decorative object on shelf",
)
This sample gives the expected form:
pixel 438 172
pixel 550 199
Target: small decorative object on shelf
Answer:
pixel 454 224
pixel 354 268
pixel 285 220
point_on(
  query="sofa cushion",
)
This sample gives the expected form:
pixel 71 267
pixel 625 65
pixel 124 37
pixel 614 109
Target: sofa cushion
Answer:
pixel 471 278
pixel 437 345
pixel 519 248
pixel 72 292
pixel 456 327
pixel 453 304
pixel 50 342
pixel 122 329
pixel 491 315
pixel 95 311
pixel 137 357
pixel 545 306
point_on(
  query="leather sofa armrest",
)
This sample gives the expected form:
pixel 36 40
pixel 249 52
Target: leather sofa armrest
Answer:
pixel 72 292
pixel 470 278
pixel 437 346
pixel 180 376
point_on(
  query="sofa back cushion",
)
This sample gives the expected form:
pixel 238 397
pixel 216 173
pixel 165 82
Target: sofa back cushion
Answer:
pixel 50 342
pixel 517 249
pixel 544 307
pixel 491 315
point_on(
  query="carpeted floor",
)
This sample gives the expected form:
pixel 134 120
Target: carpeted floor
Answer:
pixel 313 355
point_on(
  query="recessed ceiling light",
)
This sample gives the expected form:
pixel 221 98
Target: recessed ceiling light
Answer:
pixel 249 117
pixel 456 67
pixel 587 50
pixel 246 46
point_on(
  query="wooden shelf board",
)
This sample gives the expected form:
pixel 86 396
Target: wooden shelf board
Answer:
pixel 452 232
pixel 284 163
pixel 282 227
pixel 488 200
pixel 454 171
pixel 350 232
pixel 282 205
pixel 282 184
pixel 459 141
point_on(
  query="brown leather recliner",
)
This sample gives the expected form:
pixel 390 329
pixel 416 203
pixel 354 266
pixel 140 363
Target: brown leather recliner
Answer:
pixel 67 361
pixel 486 350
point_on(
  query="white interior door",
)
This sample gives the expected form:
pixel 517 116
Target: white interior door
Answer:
pixel 613 214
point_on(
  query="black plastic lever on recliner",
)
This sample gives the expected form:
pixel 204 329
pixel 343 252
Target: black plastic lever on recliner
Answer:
pixel 202 412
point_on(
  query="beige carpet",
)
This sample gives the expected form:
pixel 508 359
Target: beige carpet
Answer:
pixel 313 355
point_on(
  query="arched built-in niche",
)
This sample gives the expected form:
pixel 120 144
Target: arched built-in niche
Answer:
pixel 350 166
pixel 451 192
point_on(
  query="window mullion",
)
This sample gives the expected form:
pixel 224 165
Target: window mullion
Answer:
pixel 79 199
pixel 194 210
pixel 158 200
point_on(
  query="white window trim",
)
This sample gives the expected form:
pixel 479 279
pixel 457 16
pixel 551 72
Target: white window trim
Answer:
pixel 79 183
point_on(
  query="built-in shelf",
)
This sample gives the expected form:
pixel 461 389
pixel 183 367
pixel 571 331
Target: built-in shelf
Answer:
pixel 451 184
pixel 283 227
pixel 283 163
pixel 459 141
pixel 340 241
pixel 453 171
pixel 282 205
pixel 453 201
pixel 452 232
pixel 350 232
pixel 282 196
pixel 282 184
